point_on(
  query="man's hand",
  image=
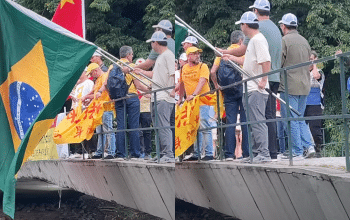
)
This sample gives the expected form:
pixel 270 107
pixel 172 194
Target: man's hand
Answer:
pixel 220 50
pixel 126 69
pixel 179 102
pixel 189 98
pixel 138 71
pixel 172 93
pixel 338 52
pixel 98 94
pixel 262 83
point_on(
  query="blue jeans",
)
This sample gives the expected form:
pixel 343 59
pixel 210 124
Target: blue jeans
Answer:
pixel 300 131
pixel 132 107
pixel 281 136
pixel 232 109
pixel 145 122
pixel 107 120
pixel 205 138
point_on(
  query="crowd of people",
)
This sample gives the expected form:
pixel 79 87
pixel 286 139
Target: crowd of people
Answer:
pixel 138 108
pixel 258 48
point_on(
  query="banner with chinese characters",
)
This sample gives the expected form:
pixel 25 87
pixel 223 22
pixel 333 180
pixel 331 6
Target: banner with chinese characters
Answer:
pixel 46 149
pixel 187 119
pixel 77 126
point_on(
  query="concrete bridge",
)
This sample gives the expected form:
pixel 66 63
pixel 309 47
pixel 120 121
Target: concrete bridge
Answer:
pixel 143 186
pixel 312 189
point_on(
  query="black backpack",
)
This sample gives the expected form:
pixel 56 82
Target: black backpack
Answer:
pixel 116 83
pixel 227 75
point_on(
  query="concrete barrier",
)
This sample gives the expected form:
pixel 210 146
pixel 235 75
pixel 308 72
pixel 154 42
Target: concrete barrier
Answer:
pixel 143 186
pixel 266 192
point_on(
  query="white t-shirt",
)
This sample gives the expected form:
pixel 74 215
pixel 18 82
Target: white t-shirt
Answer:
pixel 164 75
pixel 82 89
pixel 257 53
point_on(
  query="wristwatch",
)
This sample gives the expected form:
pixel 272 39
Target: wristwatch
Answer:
pixel 193 94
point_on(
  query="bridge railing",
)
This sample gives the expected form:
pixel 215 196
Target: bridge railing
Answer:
pixel 344 116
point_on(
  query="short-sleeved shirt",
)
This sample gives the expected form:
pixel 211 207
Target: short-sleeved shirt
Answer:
pixel 257 53
pixel 104 96
pixel 145 103
pixel 82 89
pixel 274 40
pixel 171 46
pixel 164 75
pixel 129 78
pixel 190 76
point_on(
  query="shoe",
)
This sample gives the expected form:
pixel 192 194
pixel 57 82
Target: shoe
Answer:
pixel 187 156
pixel 75 156
pixel 96 157
pixel 261 159
pixel 295 157
pixel 318 155
pixel 192 158
pixel 166 160
pixel 109 157
pixel 135 159
pixel 147 157
pixel 310 152
pixel 228 159
pixel 207 158
pixel 286 153
pixel 119 159
pixel 245 160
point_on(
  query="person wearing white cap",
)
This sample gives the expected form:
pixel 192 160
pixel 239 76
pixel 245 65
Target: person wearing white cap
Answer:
pixel 257 61
pixel 164 75
pixel 167 28
pixel 96 58
pixel 274 38
pixel 190 41
pixel 295 50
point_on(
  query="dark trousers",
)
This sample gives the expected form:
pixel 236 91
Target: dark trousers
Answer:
pixel 172 123
pixel 145 139
pixel 315 125
pixel 270 113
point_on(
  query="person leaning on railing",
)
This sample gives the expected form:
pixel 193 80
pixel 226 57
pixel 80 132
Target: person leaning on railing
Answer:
pixel 295 50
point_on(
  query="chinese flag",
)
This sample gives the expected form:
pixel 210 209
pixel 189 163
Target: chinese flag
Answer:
pixel 70 15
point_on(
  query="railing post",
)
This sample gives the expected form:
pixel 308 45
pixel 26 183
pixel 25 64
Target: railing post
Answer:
pixel 156 125
pixel 220 133
pixel 248 120
pixel 288 119
pixel 344 112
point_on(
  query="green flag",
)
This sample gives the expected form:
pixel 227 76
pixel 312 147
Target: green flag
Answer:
pixel 40 62
pixel 181 33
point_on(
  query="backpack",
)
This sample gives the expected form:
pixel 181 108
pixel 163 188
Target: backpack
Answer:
pixel 116 83
pixel 227 75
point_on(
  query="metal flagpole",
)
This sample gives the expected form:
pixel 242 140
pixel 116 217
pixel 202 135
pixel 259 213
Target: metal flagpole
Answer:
pixel 242 71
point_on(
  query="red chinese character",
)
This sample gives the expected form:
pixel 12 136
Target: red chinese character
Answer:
pixel 79 131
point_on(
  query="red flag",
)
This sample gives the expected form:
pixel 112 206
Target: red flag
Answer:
pixel 70 14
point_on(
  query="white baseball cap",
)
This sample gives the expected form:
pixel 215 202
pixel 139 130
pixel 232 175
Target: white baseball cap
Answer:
pixel 96 53
pixel 248 18
pixel 158 36
pixel 183 57
pixel 261 4
pixel 289 19
pixel 165 25
pixel 191 40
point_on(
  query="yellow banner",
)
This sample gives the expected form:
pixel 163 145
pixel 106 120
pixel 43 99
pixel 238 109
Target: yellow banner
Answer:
pixel 77 126
pixel 187 120
pixel 46 149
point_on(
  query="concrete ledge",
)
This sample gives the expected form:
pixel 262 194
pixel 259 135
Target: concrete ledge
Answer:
pixel 147 187
pixel 269 192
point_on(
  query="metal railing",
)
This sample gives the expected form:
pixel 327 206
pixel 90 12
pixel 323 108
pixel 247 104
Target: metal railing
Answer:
pixel 344 114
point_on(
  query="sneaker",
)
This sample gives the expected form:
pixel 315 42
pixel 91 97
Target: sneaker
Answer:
pixel 96 157
pixel 75 156
pixel 286 153
pixel 192 158
pixel 119 159
pixel 207 158
pixel 135 159
pixel 147 157
pixel 109 157
pixel 167 160
pixel 318 155
pixel 261 159
pixel 295 157
pixel 245 160
pixel 310 152
pixel 228 159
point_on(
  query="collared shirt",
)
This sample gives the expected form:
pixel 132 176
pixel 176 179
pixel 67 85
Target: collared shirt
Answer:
pixel 295 50
pixel 171 46
pixel 129 78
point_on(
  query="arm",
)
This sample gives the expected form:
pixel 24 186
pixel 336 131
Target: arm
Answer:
pixel 181 92
pixel 140 86
pixel 238 60
pixel 146 65
pixel 139 71
pixel 315 72
pixel 266 66
pixel 213 76
pixel 238 52
pixel 199 87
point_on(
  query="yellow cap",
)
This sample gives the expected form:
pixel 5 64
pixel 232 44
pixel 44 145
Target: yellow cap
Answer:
pixel 91 67
pixel 193 50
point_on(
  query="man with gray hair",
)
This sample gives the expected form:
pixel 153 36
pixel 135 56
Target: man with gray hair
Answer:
pixel 132 107
pixel 232 97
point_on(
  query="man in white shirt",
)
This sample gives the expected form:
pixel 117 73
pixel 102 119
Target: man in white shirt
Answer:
pixel 257 61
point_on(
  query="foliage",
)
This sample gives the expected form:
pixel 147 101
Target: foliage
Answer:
pixel 111 24
pixel 324 23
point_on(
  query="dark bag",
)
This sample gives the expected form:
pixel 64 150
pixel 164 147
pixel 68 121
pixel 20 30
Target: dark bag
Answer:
pixel 116 83
pixel 227 75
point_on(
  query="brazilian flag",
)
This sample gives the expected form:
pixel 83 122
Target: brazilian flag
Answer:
pixel 181 33
pixel 40 62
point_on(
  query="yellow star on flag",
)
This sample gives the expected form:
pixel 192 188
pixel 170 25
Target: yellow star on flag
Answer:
pixel 64 2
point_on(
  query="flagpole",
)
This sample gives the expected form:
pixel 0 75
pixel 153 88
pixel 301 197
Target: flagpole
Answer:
pixel 83 17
